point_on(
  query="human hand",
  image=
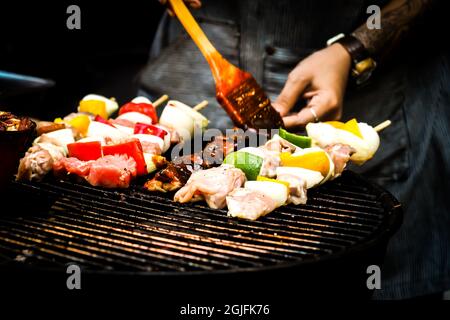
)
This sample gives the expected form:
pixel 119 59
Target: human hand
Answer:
pixel 320 78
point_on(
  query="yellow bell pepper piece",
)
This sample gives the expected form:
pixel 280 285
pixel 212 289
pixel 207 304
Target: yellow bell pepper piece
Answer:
pixel 262 178
pixel 96 107
pixel 336 124
pixel 316 161
pixel 350 126
pixel 81 124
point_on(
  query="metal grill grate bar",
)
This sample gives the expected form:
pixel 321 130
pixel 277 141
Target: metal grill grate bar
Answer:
pixel 307 210
pixel 135 230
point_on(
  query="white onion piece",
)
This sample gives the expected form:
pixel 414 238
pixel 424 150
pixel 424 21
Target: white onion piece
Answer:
pixel 62 136
pixel 141 99
pixel 323 134
pixel 111 105
pixel 167 137
pixel 301 151
pixel 276 191
pixel 312 178
pixel 200 120
pixel 101 130
pixel 180 121
pixel 126 130
pixel 93 139
pixel 65 136
pixel 59 138
pixel 330 174
pixel 372 139
pixel 136 117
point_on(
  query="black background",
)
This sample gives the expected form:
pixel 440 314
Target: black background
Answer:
pixel 104 57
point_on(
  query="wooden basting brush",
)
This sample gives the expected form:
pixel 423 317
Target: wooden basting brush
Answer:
pixel 236 90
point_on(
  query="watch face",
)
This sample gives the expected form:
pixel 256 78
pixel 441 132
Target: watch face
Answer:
pixel 364 76
pixel 363 70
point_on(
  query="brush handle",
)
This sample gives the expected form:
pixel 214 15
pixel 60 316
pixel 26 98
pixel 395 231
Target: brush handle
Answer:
pixel 215 60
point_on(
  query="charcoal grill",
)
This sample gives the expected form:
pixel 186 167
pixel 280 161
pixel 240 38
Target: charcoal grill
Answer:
pixel 133 236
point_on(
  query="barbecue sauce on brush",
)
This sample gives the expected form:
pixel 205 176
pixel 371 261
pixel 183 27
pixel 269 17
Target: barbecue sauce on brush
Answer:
pixel 242 98
pixel 249 107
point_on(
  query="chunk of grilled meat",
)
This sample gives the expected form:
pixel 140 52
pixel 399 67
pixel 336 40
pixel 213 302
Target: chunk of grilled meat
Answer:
pixel 216 150
pixel 340 154
pixel 212 185
pixel 177 173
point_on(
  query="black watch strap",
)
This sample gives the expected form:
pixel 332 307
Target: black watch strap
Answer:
pixel 362 64
pixel 354 47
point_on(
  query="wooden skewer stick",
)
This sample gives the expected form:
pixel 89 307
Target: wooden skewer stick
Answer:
pixel 383 125
pixel 161 99
pixel 200 106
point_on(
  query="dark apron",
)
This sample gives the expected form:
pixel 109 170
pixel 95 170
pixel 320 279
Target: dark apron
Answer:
pixel 268 39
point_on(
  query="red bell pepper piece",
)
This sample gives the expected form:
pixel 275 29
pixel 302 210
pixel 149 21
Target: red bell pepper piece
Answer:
pixel 142 128
pixel 85 151
pixel 102 120
pixel 144 108
pixel 133 149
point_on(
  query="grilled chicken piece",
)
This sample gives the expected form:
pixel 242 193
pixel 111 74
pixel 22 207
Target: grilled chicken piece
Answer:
pixel 211 185
pixel 270 163
pixel 297 188
pixel 35 165
pixel 271 154
pixel 38 161
pixel 340 154
pixel 278 144
pixel 271 160
pixel 249 204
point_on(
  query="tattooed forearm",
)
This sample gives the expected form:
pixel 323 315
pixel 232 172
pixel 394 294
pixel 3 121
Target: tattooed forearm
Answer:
pixel 396 19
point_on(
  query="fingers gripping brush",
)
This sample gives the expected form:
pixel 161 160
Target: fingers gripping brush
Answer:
pixel 236 90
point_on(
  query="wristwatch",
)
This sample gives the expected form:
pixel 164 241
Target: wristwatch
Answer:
pixel 362 64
